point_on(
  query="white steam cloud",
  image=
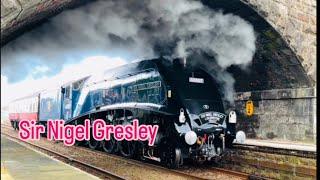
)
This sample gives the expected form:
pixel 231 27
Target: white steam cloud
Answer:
pixel 137 29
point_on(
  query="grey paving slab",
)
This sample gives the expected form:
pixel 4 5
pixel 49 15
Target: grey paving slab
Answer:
pixel 20 162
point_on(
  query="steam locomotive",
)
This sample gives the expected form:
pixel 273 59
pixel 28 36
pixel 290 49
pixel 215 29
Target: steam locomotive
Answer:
pixel 183 100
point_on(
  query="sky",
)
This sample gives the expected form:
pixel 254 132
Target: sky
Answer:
pixel 69 72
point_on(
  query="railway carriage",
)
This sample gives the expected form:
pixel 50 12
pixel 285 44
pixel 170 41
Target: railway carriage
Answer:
pixel 23 108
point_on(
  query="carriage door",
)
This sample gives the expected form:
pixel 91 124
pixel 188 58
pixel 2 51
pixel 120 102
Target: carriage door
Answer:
pixel 67 102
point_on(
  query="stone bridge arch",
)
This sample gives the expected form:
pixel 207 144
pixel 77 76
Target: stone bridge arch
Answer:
pixel 296 23
pixel 294 20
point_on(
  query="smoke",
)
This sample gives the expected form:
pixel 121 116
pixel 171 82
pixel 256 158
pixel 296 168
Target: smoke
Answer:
pixel 134 30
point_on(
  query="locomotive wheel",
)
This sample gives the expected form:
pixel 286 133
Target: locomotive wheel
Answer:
pixel 171 155
pixel 79 143
pixel 16 125
pixel 45 130
pixel 139 151
pixel 229 141
pixel 127 148
pixel 93 144
pixel 109 146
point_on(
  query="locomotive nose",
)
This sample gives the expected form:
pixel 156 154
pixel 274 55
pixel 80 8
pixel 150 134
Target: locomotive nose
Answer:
pixel 209 144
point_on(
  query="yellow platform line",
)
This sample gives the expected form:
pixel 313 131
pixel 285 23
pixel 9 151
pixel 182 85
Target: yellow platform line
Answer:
pixel 4 173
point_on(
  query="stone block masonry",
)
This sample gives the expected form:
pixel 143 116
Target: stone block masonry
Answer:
pixel 296 22
pixel 271 165
pixel 281 114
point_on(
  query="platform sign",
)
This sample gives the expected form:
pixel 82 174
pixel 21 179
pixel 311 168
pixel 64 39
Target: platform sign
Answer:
pixel 249 108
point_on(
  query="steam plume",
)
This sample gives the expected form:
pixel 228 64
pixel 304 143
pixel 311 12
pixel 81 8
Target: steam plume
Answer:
pixel 134 30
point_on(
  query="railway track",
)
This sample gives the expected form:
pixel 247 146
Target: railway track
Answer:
pixel 273 150
pixel 212 169
pixel 102 172
pixel 259 160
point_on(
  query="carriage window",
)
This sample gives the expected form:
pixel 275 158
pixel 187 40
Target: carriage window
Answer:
pixel 67 92
pixel 33 107
pixel 30 107
pixel 23 106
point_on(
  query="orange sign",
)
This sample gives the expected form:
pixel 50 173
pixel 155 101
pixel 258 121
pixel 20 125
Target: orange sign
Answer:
pixel 249 108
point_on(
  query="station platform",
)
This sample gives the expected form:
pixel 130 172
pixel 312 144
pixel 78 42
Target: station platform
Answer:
pixel 281 144
pixel 20 162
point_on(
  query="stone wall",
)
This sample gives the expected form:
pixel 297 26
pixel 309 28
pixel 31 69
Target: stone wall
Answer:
pixel 285 114
pixel 271 165
pixel 295 20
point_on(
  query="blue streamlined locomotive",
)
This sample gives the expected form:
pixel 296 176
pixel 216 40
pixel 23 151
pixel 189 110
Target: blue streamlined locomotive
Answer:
pixel 183 100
